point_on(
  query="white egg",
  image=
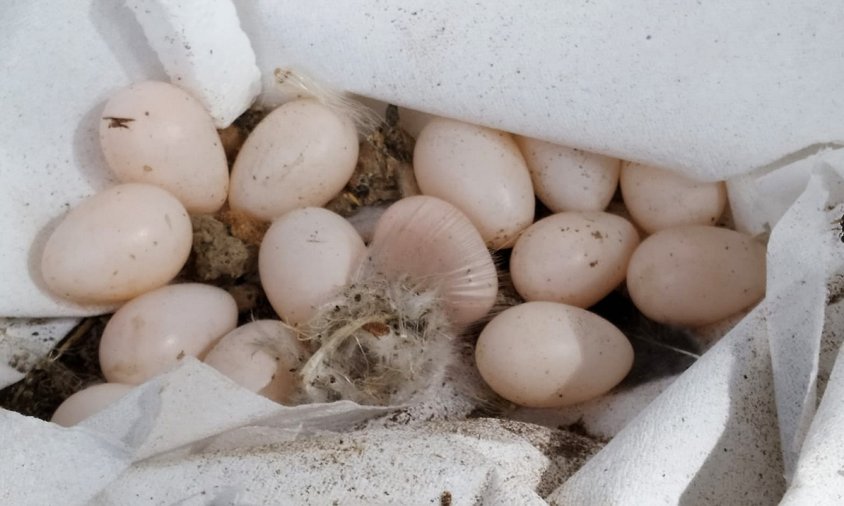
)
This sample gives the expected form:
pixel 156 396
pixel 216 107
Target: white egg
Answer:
pixel 545 354
pixel 302 154
pixel 575 258
pixel 149 335
pixel 658 199
pixel 696 275
pixel 261 356
pixel 305 257
pixel 569 179
pixel 480 171
pixel 118 244
pixel 154 132
pixel 431 240
pixel 88 402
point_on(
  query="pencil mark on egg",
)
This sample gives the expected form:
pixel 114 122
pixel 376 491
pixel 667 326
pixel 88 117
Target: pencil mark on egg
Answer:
pixel 115 122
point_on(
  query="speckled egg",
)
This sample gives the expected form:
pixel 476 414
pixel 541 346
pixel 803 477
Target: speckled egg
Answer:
pixel 658 199
pixel 480 171
pixel 568 179
pixel 696 275
pixel 575 258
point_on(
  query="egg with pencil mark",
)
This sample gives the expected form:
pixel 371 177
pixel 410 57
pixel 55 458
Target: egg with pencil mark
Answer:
pixel 305 257
pixel 156 133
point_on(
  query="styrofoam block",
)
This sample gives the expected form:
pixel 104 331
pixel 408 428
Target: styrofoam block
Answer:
pixel 203 50
pixel 713 89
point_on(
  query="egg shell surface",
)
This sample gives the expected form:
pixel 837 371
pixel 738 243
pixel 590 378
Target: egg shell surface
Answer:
pixel 151 334
pixel 302 154
pixel 305 257
pixel 481 172
pixel 88 402
pixel 260 356
pixel 575 258
pixel 569 179
pixel 154 132
pixel 658 199
pixel 546 354
pixel 117 244
pixel 432 241
pixel 696 275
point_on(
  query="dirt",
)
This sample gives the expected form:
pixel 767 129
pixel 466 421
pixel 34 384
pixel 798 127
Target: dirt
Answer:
pixel 71 366
pixel 384 172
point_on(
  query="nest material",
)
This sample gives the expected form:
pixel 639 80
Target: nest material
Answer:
pixel 382 341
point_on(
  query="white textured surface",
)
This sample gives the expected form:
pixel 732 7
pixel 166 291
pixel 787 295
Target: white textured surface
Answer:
pixel 759 199
pixel 603 417
pixel 255 466
pixel 819 478
pixel 804 253
pixel 713 89
pixel 194 436
pixel 203 50
pixel 195 401
pixel 710 438
pixel 50 156
pixel 47 464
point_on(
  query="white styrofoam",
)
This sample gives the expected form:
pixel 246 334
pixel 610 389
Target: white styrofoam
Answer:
pixel 713 89
pixel 203 49
pixel 50 101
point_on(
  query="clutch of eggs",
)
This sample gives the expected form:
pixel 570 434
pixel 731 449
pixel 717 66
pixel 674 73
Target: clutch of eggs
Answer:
pixel 126 244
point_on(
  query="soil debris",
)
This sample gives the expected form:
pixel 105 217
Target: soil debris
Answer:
pixel 71 366
pixel 383 173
